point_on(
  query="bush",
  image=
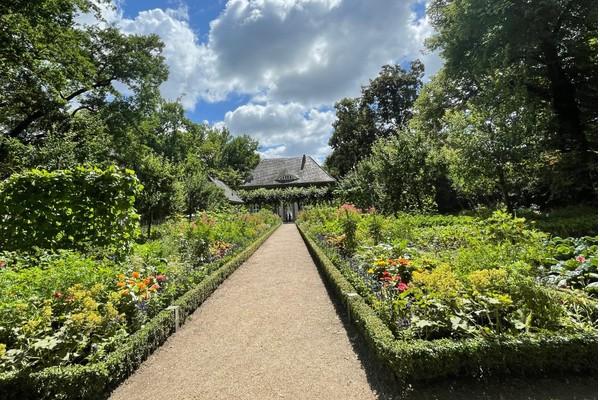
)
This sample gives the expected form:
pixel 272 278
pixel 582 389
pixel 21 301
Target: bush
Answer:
pixel 95 380
pixel 427 360
pixel 78 208
pixel 65 308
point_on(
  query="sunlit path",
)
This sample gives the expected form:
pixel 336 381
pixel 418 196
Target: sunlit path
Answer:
pixel 269 332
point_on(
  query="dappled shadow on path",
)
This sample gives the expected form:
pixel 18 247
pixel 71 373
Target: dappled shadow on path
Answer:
pixel 387 387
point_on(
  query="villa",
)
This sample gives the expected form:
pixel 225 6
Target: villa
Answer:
pixel 280 173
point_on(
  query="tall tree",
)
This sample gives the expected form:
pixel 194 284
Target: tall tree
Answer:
pixel 548 47
pixel 51 67
pixel 385 106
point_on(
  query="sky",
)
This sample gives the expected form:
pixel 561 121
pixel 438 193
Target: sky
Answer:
pixel 273 69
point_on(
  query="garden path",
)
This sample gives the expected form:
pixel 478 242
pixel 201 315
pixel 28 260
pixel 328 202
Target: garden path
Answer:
pixel 270 331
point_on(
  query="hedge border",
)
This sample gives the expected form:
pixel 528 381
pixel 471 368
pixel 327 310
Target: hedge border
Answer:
pixel 422 360
pixel 95 381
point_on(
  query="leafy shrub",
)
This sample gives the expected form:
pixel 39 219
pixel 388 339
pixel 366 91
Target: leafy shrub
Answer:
pixel 77 208
pixel 413 359
pixel 572 263
pixel 65 308
pixel 573 221
pixel 456 277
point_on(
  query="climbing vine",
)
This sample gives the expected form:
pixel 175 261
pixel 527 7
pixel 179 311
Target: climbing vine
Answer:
pixel 308 194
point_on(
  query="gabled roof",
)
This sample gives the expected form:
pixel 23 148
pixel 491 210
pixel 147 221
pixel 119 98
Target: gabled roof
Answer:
pixel 230 194
pixel 281 172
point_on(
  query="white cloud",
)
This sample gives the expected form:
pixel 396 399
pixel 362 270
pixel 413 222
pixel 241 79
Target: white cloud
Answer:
pixel 292 57
pixel 283 129
pixel 311 51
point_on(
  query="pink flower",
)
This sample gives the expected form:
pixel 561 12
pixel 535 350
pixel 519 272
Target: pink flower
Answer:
pixel 401 286
pixel 349 207
pixel 2 264
pixel 161 278
pixel 580 259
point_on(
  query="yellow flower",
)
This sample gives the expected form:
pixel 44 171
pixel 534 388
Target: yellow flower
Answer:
pixel 488 279
pixel 2 350
pixel 90 304
pixel 94 318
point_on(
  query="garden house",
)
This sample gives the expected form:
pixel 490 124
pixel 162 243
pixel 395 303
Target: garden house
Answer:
pixel 230 194
pixel 286 184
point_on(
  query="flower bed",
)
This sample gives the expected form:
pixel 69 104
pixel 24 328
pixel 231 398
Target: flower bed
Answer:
pixel 443 295
pixel 89 323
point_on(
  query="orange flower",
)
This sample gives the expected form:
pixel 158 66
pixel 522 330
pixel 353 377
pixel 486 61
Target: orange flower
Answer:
pixel 141 285
pixel 135 274
pixel 125 292
pixel 121 277
pixel 120 284
pixel 147 281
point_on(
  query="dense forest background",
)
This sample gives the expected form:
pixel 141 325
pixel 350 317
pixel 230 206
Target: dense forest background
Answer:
pixel 510 119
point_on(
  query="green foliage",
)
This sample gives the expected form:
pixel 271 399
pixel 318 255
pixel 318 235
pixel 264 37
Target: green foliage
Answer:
pixel 69 310
pixel 573 264
pixel 307 194
pixel 69 209
pixel 528 73
pixel 162 194
pixel 395 177
pixel 564 222
pixel 51 68
pixel 385 106
pixel 95 380
pixel 450 277
pixel 496 150
pixel 415 359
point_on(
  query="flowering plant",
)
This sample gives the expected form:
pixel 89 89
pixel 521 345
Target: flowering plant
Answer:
pixel 140 288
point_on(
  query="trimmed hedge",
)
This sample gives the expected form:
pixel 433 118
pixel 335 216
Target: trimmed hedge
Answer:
pixel 69 209
pixel 95 381
pixel 422 360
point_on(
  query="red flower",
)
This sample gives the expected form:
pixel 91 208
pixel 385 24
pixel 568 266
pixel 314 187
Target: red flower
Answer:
pixel 401 286
pixel 161 278
pixel 57 295
pixel 386 276
pixel 580 259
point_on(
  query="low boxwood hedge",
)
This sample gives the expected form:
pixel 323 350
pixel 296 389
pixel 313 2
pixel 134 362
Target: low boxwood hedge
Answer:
pixel 95 381
pixel 422 360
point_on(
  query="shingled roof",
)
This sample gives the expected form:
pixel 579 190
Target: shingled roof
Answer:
pixel 230 194
pixel 282 172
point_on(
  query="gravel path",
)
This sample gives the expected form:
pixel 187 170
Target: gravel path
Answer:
pixel 269 331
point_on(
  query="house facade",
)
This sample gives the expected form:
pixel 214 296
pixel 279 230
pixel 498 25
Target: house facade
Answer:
pixel 282 173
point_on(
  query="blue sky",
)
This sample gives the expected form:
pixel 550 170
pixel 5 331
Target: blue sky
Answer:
pixel 273 69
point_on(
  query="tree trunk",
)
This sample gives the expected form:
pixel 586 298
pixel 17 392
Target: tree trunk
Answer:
pixel 149 225
pixel 564 102
pixel 504 189
pixel 571 134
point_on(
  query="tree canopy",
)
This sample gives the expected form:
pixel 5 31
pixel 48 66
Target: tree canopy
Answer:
pixel 385 105
pixel 72 94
